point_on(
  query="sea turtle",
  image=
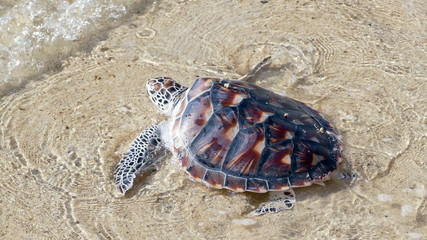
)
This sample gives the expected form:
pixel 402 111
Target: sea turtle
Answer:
pixel 233 134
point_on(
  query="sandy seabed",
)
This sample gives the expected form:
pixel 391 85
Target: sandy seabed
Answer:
pixel 361 63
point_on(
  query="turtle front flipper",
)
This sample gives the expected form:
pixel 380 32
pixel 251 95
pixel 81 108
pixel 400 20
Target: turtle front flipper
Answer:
pixel 278 201
pixel 141 154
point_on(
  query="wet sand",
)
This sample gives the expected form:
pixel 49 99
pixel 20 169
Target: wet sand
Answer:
pixel 362 64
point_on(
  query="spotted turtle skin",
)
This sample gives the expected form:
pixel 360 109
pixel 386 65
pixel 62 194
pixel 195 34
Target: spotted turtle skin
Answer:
pixel 235 135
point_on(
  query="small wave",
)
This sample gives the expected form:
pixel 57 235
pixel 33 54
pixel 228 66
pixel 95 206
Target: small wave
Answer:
pixel 38 34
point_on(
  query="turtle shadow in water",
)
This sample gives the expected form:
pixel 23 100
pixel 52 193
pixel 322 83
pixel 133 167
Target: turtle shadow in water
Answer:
pixel 139 181
pixel 334 185
pixel 315 190
pixel 340 180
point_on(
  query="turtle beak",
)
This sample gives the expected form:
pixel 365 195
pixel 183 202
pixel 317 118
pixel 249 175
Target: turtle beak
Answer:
pixel 150 87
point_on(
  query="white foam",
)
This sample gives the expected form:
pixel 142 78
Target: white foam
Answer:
pixel 385 198
pixel 244 221
pixel 350 117
pixel 406 210
pixel 34 32
pixel 414 235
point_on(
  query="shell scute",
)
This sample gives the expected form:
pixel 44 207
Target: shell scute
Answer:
pixel 214 178
pixel 211 145
pixel 196 171
pixel 180 107
pixel 302 158
pixel 223 95
pixel 310 133
pixel 257 185
pixel 184 158
pixel 236 184
pixel 200 86
pixel 278 128
pixel 317 149
pixel 276 160
pixel 322 169
pixel 300 180
pixel 251 113
pixel 278 184
pixel 194 117
pixel 243 156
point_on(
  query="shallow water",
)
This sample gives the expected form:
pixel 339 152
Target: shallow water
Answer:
pixel 362 64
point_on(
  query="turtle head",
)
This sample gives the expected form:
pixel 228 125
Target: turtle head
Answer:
pixel 165 93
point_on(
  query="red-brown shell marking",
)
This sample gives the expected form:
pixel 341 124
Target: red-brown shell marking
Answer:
pixel 236 135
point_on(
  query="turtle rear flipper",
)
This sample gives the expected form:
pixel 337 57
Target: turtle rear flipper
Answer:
pixel 141 154
pixel 265 62
pixel 278 201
